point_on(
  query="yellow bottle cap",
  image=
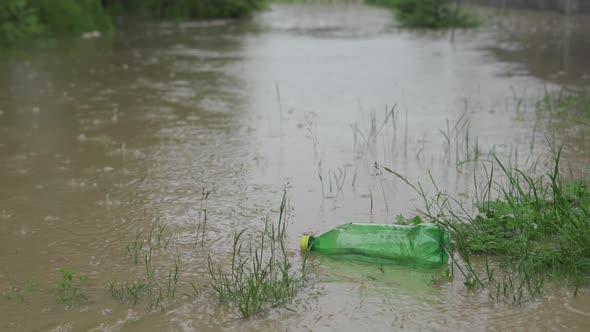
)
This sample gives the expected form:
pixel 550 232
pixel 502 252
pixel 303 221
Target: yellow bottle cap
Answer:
pixel 304 243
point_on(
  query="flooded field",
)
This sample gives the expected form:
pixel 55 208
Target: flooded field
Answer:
pixel 186 133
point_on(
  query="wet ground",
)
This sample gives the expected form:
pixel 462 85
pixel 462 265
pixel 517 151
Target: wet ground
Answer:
pixel 101 139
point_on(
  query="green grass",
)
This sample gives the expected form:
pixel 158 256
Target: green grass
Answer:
pixel 260 275
pixel 528 228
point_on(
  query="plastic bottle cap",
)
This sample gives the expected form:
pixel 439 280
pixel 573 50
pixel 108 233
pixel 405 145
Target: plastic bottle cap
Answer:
pixel 304 243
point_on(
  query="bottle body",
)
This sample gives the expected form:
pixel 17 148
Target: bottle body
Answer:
pixel 421 245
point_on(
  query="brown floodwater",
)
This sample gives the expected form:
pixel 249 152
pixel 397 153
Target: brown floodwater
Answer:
pixel 101 139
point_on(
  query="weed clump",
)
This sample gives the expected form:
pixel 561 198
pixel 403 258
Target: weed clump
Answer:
pixel 69 287
pixel 537 225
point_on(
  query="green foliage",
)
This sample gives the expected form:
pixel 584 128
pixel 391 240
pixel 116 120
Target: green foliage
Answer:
pixel 69 286
pixel 189 9
pixel 429 13
pixel 18 20
pixel 23 19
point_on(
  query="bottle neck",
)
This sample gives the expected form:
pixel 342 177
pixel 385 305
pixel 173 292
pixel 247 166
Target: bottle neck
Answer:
pixel 306 242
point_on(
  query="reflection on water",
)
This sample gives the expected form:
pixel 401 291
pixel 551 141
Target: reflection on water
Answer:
pixel 556 51
pixel 101 138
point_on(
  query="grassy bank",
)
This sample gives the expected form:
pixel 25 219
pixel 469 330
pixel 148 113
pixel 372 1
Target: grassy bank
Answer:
pixel 429 13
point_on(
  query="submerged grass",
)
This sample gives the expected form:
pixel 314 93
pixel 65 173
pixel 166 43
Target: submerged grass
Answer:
pixel 128 292
pixel 564 101
pixel 16 293
pixel 260 275
pixel 528 229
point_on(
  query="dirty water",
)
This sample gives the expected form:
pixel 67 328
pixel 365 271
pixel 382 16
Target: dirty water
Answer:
pixel 101 139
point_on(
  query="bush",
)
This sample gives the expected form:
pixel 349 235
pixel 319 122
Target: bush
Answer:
pixel 429 13
pixel 24 19
pixel 73 15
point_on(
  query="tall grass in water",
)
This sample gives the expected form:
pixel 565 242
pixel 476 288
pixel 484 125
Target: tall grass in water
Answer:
pixel 529 229
pixel 202 221
pixel 159 285
pixel 260 275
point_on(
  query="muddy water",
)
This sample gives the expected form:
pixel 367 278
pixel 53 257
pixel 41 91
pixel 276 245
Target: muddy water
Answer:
pixel 102 139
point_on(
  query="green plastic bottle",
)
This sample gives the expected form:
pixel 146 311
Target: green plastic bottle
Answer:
pixel 422 245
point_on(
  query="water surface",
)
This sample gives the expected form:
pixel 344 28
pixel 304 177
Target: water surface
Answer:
pixel 101 138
